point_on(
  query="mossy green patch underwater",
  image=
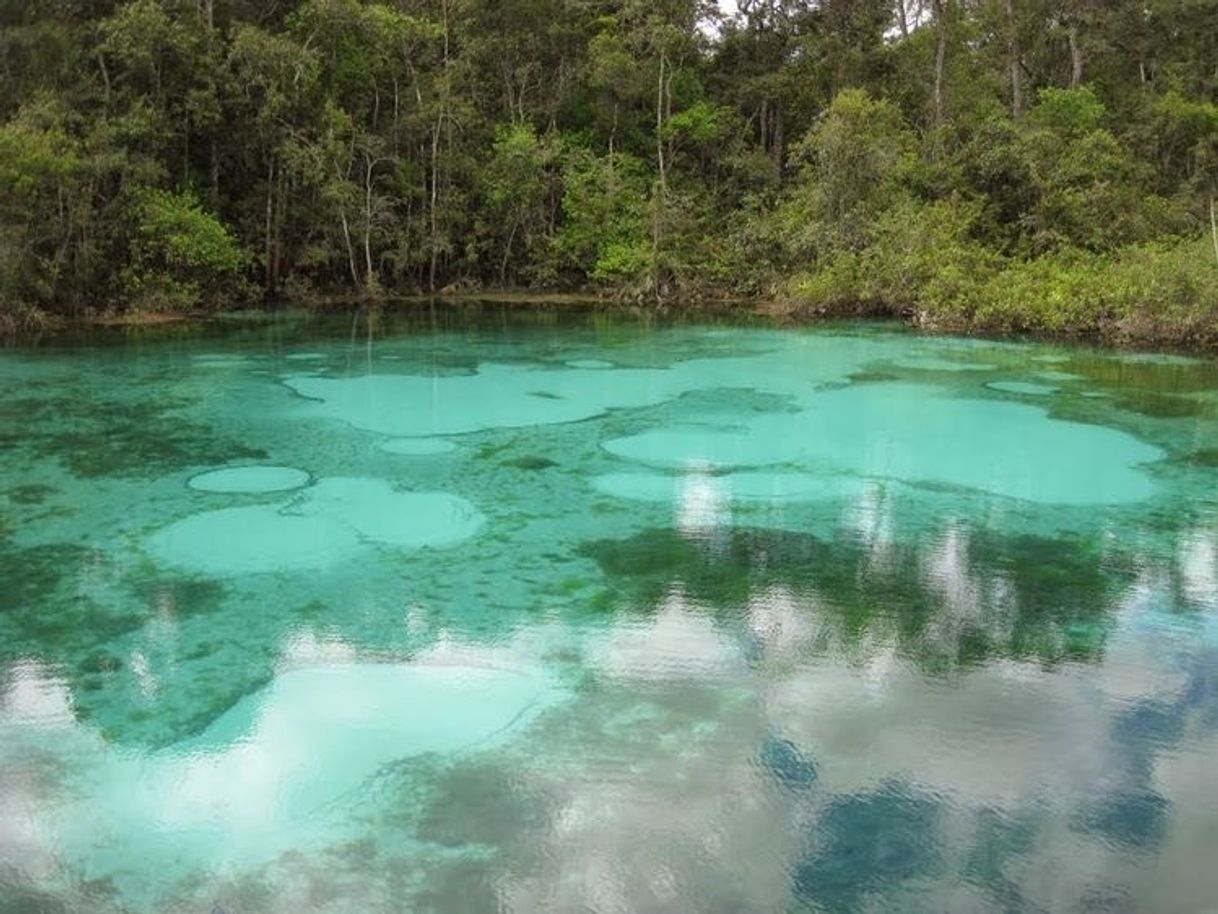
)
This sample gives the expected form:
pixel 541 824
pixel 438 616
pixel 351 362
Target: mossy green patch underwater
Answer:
pixel 578 613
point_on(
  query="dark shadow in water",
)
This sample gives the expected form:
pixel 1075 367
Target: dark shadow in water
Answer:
pixel 1143 729
pixel 788 766
pixel 1130 819
pixel 867 843
pixel 999 839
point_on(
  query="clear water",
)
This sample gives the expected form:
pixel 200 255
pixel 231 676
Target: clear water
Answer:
pixel 487 611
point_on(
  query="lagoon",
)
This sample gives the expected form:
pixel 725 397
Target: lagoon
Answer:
pixel 480 610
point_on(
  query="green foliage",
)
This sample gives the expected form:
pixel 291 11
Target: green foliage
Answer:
pixel 33 157
pixel 177 248
pixel 1183 132
pixel 42 179
pixel 604 205
pixel 701 123
pixel 918 257
pixel 159 152
pixel 518 183
pixel 852 164
pixel 1088 190
pixel 1069 113
pixel 1165 290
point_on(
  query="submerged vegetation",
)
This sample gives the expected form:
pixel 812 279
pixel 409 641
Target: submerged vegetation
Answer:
pixel 1014 165
pixel 1055 607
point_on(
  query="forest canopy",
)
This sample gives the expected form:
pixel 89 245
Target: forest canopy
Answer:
pixel 995 164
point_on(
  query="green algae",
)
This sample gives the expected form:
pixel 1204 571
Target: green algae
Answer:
pixel 33 494
pixel 97 438
pixel 530 463
pixel 1165 374
pixel 1206 457
pixel 46 572
pixel 873 377
pixel 100 662
pixel 928 363
pixel 1165 406
pixel 183 597
pixel 71 624
pixel 1022 387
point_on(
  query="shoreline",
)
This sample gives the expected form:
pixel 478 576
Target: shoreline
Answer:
pixel 778 311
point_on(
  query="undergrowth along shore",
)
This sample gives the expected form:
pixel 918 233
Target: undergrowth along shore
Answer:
pixel 1106 313
pixel 1164 293
pixel 984 167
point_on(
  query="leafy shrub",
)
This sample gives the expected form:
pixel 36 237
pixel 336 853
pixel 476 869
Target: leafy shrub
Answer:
pixel 852 165
pixel 1166 291
pixel 178 250
pixel 605 213
pixel 919 257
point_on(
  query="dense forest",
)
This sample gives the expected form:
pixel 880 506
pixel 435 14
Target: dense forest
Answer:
pixel 992 164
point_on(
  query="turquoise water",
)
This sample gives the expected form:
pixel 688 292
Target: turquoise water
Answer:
pixel 502 611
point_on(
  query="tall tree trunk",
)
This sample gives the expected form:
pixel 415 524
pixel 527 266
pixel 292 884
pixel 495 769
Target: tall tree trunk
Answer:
pixel 779 142
pixel 1076 55
pixel 509 93
pixel 903 18
pixel 342 212
pixel 435 187
pixel 660 127
pixel 370 280
pixel 612 137
pixel 270 228
pixel 397 110
pixel 281 213
pixel 435 153
pixel 214 162
pixel 659 203
pixel 672 72
pixel 1013 60
pixel 939 9
pixel 1214 227
pixel 101 63
pixel 507 253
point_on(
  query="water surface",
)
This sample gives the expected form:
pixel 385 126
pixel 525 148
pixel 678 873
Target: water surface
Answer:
pixel 506 611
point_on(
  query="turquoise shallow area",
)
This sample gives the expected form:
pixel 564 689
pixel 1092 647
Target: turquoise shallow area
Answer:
pixel 906 432
pixel 512 610
pixel 231 480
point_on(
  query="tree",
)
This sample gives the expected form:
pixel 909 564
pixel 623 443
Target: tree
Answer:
pixel 644 149
pixel 44 212
pixel 177 248
pixel 852 167
pixel 518 186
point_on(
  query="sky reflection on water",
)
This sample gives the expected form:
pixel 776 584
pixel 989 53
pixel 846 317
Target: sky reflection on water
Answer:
pixel 585 615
